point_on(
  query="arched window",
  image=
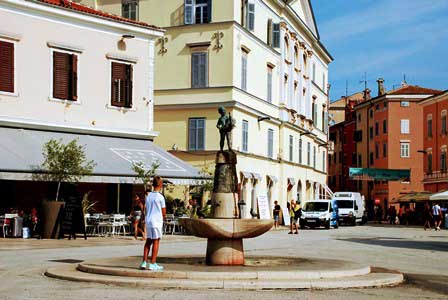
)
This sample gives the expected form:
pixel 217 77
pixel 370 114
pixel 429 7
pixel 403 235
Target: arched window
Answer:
pixel 287 54
pixel 305 65
pixel 429 125
pixel 296 58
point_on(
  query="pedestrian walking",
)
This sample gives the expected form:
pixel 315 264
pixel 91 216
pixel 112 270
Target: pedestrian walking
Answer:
pixel 437 214
pixel 392 214
pixel 137 212
pixel 155 215
pixel 294 214
pixel 427 216
pixel 276 214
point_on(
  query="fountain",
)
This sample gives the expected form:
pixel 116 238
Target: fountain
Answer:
pixel 226 230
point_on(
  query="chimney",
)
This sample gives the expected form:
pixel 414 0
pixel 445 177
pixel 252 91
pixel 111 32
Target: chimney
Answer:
pixel 381 90
pixel 367 95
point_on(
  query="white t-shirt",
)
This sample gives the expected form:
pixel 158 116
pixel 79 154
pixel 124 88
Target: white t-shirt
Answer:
pixel 435 210
pixel 154 204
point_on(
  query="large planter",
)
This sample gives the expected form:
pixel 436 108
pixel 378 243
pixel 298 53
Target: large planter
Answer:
pixel 50 219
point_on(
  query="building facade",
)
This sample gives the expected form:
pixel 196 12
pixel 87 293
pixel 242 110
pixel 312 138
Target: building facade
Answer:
pixel 264 62
pixel 391 134
pixel 56 83
pixel 435 142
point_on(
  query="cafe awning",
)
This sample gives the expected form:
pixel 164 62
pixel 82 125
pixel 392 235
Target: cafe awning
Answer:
pixel 442 196
pixel 379 174
pixel 21 156
pixel 414 197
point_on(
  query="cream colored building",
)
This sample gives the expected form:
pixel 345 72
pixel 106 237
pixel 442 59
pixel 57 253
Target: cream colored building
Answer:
pixel 263 61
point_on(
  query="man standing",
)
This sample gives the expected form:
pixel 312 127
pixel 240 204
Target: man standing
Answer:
pixel 276 214
pixel 437 214
pixel 155 214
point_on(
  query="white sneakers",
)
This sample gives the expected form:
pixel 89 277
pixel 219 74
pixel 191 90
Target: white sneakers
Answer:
pixel 153 267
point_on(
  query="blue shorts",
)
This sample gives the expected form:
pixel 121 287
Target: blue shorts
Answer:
pixel 276 218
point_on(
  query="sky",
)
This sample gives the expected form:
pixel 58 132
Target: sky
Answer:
pixel 384 38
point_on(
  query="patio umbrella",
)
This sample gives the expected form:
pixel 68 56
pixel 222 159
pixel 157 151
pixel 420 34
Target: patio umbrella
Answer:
pixel 439 196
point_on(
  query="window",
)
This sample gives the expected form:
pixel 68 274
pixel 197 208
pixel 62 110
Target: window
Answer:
pixel 314 113
pixel 314 72
pixel 371 113
pixel 405 126
pixel 429 125
pixel 270 143
pixel 371 158
pixel 443 161
pixel 129 9
pixel 404 103
pixel 245 134
pixel 65 76
pixel 308 158
pixel 269 85
pixel 377 107
pixel 404 150
pixel 269 33
pixel 276 35
pixel 314 157
pixel 324 155
pixel 300 151
pixel 7 67
pixel 377 151
pixel 244 70
pixel 324 81
pixel 250 16
pixel 196 134
pixel 384 125
pixel 377 128
pixel 291 148
pixel 385 104
pixel 443 122
pixel 371 132
pixel 197 11
pixel 429 169
pixel 199 70
pixel 359 160
pixel 359 117
pixel 384 149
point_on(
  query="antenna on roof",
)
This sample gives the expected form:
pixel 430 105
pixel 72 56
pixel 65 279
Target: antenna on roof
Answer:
pixel 404 80
pixel 346 88
pixel 364 80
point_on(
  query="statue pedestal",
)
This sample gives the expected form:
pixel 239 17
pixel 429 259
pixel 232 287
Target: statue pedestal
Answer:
pixel 225 186
pixel 225 252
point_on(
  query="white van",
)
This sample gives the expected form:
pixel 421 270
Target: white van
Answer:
pixel 351 207
pixel 316 213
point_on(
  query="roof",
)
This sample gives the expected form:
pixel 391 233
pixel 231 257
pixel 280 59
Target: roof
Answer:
pixel 68 4
pixel 413 90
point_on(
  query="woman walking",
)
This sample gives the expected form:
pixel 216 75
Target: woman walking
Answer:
pixel 427 216
pixel 137 211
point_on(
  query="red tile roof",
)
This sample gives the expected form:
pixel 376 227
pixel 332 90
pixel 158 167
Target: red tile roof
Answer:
pixel 413 90
pixel 68 4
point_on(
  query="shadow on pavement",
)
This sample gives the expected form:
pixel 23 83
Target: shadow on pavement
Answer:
pixel 397 243
pixel 434 283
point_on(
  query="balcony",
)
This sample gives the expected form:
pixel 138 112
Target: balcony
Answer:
pixel 436 176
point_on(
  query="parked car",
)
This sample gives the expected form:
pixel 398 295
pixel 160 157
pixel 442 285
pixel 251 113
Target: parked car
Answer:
pixel 316 213
pixel 351 207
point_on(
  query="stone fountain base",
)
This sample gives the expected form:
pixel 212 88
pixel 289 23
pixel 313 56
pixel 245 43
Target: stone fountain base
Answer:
pixel 225 237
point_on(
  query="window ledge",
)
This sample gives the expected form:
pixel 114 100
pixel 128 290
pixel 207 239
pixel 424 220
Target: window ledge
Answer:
pixel 14 94
pixel 121 108
pixel 65 47
pixel 65 102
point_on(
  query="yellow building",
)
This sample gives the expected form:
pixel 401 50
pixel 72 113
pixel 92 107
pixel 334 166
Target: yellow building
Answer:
pixel 260 59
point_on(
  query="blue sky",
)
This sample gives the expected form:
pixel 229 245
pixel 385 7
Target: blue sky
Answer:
pixel 384 38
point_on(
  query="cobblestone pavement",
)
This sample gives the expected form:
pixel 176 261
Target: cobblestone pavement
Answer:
pixel 421 255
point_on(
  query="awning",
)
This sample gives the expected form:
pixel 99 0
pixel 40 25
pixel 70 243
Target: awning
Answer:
pixel 272 178
pixel 291 181
pixel 414 197
pixel 257 176
pixel 442 196
pixel 21 156
pixel 247 175
pixel 379 174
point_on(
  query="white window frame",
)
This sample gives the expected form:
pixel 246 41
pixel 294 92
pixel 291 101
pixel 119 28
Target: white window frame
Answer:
pixel 205 131
pixel 13 41
pixel 270 143
pixel 405 149
pixel 244 64
pixel 136 8
pixel 405 126
pixel 245 136
pixel 78 83
pixel 109 87
pixel 291 148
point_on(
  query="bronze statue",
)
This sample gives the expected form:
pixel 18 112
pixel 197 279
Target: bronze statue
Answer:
pixel 225 125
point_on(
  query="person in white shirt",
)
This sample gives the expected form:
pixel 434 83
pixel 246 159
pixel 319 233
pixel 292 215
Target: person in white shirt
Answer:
pixel 437 214
pixel 155 215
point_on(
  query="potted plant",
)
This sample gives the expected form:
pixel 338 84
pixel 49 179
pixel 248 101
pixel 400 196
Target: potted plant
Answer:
pixel 63 163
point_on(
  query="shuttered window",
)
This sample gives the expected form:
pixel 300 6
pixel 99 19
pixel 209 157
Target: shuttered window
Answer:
pixel 300 151
pixel 270 143
pixel 6 67
pixel 269 85
pixel 269 33
pixel 129 9
pixel 314 157
pixel 251 16
pixel 65 76
pixel 189 11
pixel 291 148
pixel 276 35
pixel 196 134
pixel 245 133
pixel 121 82
pixel 199 70
pixel 244 70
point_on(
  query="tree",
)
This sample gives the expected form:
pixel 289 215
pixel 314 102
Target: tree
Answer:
pixel 65 162
pixel 145 174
